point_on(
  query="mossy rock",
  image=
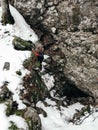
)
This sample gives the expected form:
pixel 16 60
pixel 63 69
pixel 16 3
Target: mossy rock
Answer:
pixel 21 44
pixel 20 112
pixel 12 107
pixel 32 119
pixel 27 63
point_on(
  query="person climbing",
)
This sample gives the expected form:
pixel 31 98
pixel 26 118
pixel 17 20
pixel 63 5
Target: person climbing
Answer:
pixel 38 57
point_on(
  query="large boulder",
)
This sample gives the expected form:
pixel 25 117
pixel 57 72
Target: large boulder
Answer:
pixel 73 27
pixel 78 68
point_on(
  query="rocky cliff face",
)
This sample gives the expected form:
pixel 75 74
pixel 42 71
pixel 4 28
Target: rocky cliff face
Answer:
pixel 70 15
pixel 69 32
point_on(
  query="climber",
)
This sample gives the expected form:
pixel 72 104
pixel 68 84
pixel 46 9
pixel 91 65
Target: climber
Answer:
pixel 38 57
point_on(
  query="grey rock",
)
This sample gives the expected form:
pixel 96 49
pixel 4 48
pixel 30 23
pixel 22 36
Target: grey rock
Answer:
pixel 6 66
pixel 73 24
pixel 34 121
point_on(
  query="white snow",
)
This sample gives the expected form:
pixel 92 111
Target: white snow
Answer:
pixel 56 119
pixel 3 119
pixel 15 58
pixel 49 80
pixel 19 121
pixel 21 27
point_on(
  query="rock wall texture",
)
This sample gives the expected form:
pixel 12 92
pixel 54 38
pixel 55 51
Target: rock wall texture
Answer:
pixel 71 15
pixel 69 32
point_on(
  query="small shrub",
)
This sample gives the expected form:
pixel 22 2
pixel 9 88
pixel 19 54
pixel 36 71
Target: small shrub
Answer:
pixel 20 113
pixel 18 72
pixel 13 126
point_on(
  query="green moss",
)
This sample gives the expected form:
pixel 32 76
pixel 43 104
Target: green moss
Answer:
pixel 5 94
pixel 11 107
pixel 8 110
pixel 27 63
pixel 20 113
pixel 88 109
pixel 30 123
pixel 38 92
pixel 13 126
pixel 21 44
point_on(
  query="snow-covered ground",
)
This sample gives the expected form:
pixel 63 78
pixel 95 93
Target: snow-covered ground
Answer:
pixel 56 119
